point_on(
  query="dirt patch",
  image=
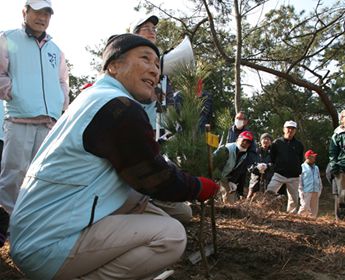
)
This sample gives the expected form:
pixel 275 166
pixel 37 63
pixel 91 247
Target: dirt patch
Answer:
pixel 260 241
pixel 257 241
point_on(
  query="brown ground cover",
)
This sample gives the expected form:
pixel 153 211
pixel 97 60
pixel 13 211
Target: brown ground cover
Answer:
pixel 257 240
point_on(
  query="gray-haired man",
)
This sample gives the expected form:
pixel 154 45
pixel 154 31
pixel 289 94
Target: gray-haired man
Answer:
pixel 82 209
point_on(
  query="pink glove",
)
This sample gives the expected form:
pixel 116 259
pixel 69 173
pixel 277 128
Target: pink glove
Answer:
pixel 208 188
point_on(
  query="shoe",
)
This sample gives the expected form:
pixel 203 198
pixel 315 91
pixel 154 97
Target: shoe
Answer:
pixel 4 222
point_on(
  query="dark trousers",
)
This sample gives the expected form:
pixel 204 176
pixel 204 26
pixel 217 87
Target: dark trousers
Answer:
pixel 238 176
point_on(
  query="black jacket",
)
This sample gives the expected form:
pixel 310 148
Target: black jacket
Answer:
pixel 287 157
pixel 263 156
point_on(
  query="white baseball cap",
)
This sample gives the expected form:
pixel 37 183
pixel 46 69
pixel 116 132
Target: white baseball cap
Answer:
pixel 151 18
pixel 290 124
pixel 40 4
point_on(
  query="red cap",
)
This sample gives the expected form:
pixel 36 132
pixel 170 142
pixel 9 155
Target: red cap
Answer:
pixel 310 153
pixel 246 135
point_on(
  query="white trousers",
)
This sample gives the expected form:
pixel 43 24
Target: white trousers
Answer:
pixel 21 142
pixel 309 204
pixel 292 190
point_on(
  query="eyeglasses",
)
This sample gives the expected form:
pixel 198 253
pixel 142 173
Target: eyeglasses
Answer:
pixel 150 29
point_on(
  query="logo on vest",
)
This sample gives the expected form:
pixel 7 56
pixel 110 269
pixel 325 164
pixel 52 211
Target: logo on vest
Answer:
pixel 52 59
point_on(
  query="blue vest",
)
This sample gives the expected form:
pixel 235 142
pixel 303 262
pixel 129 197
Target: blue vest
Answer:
pixel 310 178
pixel 151 111
pixel 35 77
pixel 66 188
pixel 231 161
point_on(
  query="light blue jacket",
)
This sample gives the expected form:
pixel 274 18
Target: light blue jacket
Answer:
pixel 66 188
pixel 310 178
pixel 37 93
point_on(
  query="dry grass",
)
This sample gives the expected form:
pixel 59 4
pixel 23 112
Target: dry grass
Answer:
pixel 257 240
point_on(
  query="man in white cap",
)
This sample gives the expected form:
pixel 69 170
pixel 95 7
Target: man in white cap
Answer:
pixel 287 155
pixel 34 85
pixel 146 27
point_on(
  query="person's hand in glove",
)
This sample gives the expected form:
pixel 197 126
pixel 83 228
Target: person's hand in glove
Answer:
pixel 262 167
pixel 208 188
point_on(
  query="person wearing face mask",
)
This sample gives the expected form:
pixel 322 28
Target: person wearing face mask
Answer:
pixel 230 160
pixel 287 154
pixel 34 87
pixel 239 126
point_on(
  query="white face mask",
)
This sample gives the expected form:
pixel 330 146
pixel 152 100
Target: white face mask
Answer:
pixel 241 148
pixel 239 123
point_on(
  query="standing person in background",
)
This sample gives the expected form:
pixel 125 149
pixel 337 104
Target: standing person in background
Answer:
pixel 337 163
pixel 261 170
pixel 287 158
pixel 34 85
pixel 83 210
pixel 146 27
pixel 239 126
pixel 310 186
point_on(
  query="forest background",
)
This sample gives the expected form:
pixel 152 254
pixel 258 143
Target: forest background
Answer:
pixel 295 60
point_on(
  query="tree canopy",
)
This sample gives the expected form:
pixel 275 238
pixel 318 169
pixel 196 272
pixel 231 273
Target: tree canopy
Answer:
pixel 303 51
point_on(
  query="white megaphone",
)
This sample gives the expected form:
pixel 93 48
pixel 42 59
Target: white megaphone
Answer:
pixel 182 54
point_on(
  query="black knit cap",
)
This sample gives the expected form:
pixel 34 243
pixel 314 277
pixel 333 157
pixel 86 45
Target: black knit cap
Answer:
pixel 119 44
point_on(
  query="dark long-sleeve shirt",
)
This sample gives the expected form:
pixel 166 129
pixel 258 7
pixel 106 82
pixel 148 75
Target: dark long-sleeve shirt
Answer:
pixel 121 132
pixel 287 157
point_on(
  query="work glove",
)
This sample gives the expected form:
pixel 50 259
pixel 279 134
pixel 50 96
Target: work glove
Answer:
pixel 232 187
pixel 262 167
pixel 208 188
